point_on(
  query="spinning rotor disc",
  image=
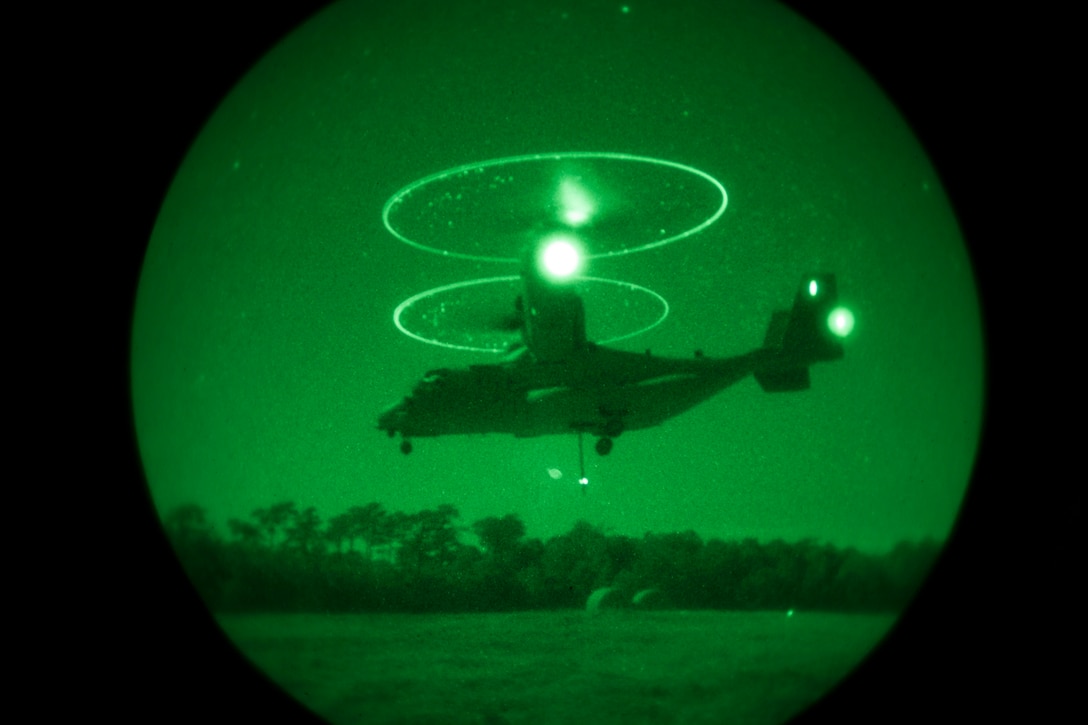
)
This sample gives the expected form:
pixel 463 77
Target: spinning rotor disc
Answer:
pixel 479 315
pixel 617 203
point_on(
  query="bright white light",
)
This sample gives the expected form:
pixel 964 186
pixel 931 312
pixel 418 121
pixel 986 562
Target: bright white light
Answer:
pixel 813 288
pixel 576 206
pixel 840 321
pixel 561 258
pixel 583 480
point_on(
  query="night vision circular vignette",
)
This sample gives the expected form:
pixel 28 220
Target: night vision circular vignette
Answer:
pixel 734 562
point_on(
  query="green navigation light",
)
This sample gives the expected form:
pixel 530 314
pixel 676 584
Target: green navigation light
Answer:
pixel 840 321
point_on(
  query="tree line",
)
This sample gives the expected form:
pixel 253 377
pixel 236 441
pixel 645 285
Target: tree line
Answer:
pixel 369 559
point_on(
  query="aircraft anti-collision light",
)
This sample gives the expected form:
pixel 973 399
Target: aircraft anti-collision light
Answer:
pixel 813 288
pixel 560 257
pixel 840 321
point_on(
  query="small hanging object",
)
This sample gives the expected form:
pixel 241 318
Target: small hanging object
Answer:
pixel 582 464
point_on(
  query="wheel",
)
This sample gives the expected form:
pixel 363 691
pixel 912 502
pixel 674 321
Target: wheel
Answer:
pixel 406 447
pixel 604 446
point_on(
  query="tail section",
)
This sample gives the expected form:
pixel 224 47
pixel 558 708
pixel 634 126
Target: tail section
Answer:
pixel 811 332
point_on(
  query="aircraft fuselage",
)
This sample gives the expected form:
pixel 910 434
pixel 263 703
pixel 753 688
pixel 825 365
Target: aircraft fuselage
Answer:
pixel 560 383
pixel 598 391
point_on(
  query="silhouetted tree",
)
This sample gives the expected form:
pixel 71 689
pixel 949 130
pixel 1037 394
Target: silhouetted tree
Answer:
pixel 369 524
pixel 244 532
pixel 575 564
pixel 820 567
pixel 906 566
pixel 394 530
pixel 670 561
pixel 431 539
pixel 500 537
pixel 274 519
pixel 716 568
pixel 303 533
pixel 338 529
pixel 286 560
pixel 860 583
pixel 748 563
pixel 496 574
pixel 199 551
pixel 188 522
pixel 623 554
pixel 531 574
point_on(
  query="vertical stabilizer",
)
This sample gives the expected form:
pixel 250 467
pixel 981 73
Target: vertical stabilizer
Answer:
pixel 809 333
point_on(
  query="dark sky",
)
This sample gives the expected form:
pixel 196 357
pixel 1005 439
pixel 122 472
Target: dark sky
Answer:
pixel 263 340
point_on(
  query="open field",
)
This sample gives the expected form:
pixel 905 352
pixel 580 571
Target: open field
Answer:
pixel 557 667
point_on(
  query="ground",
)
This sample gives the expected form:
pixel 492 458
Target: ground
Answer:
pixel 614 666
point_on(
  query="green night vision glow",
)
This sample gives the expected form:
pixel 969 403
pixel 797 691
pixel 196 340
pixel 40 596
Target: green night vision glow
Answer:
pixel 264 359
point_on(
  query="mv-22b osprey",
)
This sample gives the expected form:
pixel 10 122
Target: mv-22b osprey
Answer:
pixel 558 382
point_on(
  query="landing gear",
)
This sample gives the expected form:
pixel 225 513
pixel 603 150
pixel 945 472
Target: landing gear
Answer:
pixel 406 447
pixel 613 427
